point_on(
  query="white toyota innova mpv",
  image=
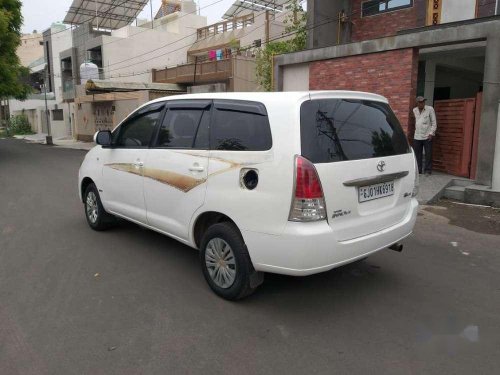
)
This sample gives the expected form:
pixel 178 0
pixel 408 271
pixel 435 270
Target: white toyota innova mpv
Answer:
pixel 294 183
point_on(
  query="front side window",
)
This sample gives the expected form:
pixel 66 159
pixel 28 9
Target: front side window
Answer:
pixel 370 8
pixel 240 126
pixel 334 130
pixel 136 132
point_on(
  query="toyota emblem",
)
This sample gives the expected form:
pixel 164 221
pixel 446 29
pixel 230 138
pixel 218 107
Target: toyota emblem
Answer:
pixel 381 166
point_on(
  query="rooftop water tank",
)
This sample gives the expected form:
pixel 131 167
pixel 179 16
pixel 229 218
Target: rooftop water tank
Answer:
pixel 88 71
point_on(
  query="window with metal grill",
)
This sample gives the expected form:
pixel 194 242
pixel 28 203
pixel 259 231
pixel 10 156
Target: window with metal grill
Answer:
pixel 57 115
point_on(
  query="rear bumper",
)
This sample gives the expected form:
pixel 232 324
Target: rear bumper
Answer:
pixel 308 248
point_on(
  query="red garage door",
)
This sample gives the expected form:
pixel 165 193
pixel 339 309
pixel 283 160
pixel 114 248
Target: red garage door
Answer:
pixel 453 144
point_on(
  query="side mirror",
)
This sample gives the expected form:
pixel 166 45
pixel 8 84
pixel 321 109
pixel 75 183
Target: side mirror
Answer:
pixel 103 138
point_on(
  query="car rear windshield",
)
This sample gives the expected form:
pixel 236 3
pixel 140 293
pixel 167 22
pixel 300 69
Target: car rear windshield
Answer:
pixel 340 129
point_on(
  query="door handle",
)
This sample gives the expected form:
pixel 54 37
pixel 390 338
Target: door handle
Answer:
pixel 196 168
pixel 139 164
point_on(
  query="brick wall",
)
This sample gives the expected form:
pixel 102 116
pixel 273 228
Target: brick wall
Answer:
pixel 392 74
pixel 386 24
pixel 486 8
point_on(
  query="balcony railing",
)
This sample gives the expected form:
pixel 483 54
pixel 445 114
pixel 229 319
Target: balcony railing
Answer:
pixel 222 27
pixel 210 71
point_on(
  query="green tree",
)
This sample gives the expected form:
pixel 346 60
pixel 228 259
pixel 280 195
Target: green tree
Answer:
pixel 12 74
pixel 295 36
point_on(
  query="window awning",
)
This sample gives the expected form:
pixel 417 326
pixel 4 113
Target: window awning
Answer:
pixel 98 85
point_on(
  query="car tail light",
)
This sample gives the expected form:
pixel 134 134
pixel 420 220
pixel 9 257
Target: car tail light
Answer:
pixel 308 202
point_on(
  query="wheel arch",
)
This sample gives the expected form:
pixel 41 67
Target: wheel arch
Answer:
pixel 83 186
pixel 204 220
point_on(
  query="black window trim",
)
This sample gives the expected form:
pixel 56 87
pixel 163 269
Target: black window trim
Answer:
pixel 206 105
pixel 243 106
pixel 189 103
pixel 153 107
pixel 401 7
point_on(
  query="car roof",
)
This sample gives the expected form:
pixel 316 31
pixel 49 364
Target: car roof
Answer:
pixel 274 97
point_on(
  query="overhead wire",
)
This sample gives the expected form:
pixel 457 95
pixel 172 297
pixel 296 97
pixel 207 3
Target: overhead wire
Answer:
pixel 182 47
pixel 171 43
pixel 164 46
pixel 281 36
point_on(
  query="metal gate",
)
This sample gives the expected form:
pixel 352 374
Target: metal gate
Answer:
pixel 455 136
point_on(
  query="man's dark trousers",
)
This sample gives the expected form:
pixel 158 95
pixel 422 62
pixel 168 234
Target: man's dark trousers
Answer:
pixel 426 145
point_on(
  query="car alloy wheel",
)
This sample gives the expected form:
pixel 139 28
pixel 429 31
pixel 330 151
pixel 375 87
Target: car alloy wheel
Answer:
pixel 92 207
pixel 220 263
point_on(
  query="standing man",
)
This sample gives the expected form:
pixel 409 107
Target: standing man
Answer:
pixel 425 130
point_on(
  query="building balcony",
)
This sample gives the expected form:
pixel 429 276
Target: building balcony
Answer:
pixel 206 72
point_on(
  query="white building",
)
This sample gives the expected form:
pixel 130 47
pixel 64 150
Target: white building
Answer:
pixel 46 74
pixel 222 58
pixel 30 49
pixel 124 54
pixel 131 52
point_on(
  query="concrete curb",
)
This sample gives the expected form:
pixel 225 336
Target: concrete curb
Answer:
pixel 60 142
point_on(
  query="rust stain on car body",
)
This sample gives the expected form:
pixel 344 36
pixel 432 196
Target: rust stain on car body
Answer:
pixel 176 180
pixel 125 167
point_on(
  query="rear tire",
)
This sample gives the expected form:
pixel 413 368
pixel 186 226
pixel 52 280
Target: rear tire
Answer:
pixel 97 218
pixel 226 264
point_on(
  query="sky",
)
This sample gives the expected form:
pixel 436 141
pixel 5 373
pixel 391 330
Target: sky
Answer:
pixel 39 14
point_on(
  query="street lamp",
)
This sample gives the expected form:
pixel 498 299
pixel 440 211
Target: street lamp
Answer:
pixel 48 138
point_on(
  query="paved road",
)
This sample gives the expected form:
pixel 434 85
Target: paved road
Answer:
pixel 130 301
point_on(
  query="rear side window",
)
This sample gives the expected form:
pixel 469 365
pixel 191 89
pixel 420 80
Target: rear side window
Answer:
pixel 240 126
pixel 339 129
pixel 180 129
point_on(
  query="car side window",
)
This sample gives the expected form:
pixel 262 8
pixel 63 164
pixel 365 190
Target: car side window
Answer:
pixel 137 131
pixel 240 126
pixel 184 128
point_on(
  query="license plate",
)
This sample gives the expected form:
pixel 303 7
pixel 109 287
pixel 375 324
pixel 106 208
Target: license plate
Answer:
pixel 368 193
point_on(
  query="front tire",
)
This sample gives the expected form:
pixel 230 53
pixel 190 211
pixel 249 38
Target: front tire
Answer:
pixel 226 264
pixel 97 218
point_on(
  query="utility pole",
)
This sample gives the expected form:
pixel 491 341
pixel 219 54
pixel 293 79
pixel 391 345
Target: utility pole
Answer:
pixel 96 16
pixel 4 116
pixel 151 9
pixel 48 138
pixel 267 26
pixel 194 75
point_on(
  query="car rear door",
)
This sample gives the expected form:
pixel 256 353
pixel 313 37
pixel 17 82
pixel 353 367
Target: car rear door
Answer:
pixel 122 174
pixel 176 167
pixel 364 162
